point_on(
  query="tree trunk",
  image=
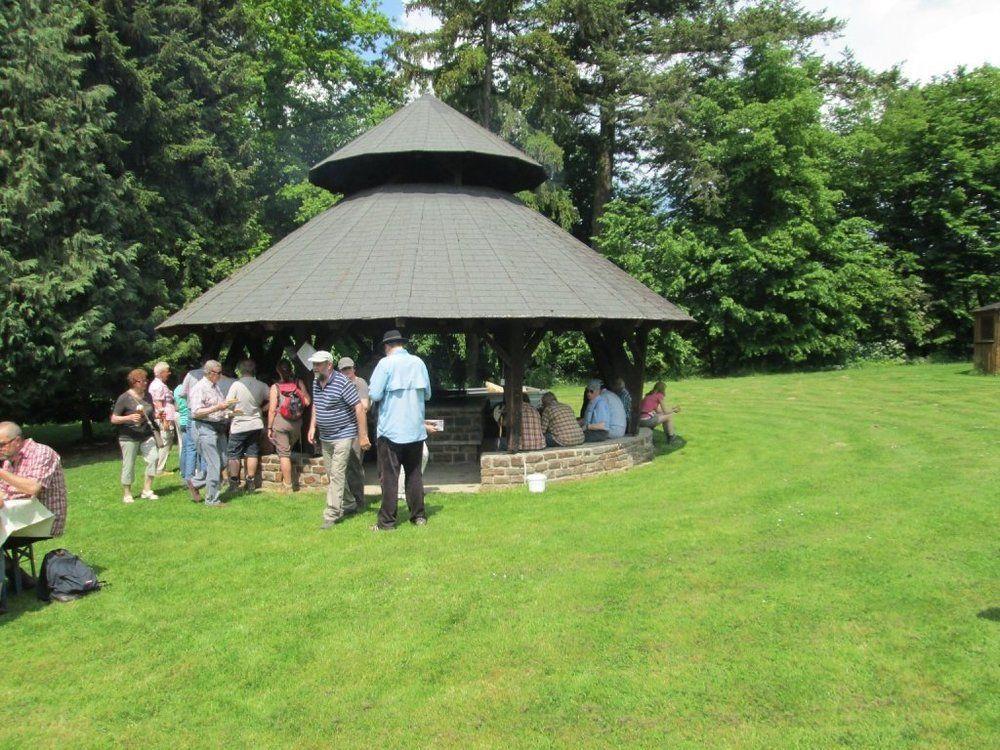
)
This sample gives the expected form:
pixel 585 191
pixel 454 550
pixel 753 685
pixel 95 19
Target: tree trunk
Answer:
pixel 486 88
pixel 605 167
pixel 86 429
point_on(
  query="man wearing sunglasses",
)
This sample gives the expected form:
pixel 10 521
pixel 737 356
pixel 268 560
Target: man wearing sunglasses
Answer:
pixel 30 469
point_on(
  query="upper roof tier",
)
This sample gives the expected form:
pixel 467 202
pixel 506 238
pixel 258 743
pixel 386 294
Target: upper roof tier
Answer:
pixel 427 142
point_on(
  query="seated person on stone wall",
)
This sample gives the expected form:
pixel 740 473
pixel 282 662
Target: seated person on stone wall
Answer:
pixel 653 412
pixel 604 417
pixel 559 425
pixel 622 392
pixel 532 437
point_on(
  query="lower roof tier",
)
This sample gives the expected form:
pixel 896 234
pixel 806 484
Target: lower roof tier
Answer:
pixel 427 251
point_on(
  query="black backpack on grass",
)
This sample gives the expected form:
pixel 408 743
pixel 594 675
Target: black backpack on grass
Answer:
pixel 65 577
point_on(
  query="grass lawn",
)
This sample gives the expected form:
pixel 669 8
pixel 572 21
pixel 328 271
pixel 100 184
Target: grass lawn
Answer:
pixel 817 567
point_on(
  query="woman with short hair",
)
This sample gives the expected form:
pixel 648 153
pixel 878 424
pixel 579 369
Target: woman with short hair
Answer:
pixel 653 412
pixel 283 429
pixel 133 418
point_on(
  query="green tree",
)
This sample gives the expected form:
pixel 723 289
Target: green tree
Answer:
pixel 633 56
pixel 67 280
pixel 925 168
pixel 496 61
pixel 316 82
pixel 758 249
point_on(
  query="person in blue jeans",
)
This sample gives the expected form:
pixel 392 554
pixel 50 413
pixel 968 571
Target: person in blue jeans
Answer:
pixel 188 449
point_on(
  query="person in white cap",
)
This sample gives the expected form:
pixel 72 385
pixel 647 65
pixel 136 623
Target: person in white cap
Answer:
pixel 357 486
pixel 338 417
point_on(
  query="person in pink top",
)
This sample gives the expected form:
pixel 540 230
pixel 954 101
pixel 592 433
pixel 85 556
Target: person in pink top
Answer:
pixel 166 412
pixel 653 412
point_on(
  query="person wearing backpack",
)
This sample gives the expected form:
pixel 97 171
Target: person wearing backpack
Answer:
pixel 287 403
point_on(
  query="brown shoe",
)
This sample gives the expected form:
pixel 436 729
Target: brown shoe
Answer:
pixel 193 491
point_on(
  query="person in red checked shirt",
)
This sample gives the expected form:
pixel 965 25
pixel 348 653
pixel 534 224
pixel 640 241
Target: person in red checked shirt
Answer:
pixel 30 469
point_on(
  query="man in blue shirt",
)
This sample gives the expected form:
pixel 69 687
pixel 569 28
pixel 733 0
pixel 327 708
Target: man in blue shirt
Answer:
pixel 400 384
pixel 339 417
pixel 604 417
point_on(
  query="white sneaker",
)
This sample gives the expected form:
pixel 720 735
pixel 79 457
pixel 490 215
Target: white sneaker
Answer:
pixel 128 499
pixel 149 495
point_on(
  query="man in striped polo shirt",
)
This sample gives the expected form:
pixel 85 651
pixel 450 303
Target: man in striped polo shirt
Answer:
pixel 339 417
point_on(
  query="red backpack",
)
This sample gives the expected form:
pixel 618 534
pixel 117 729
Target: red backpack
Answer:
pixel 290 401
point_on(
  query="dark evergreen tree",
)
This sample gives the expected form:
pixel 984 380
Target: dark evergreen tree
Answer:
pixel 69 285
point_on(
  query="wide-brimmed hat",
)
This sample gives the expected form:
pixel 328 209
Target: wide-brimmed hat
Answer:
pixel 391 337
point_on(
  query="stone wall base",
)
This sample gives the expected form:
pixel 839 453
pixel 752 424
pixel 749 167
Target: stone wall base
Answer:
pixel 503 470
pixel 500 470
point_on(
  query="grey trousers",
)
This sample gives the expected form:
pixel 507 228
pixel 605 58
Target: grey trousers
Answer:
pixel 343 469
pixel 211 450
pixel 130 452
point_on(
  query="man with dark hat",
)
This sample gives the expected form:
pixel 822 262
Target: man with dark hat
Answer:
pixel 400 384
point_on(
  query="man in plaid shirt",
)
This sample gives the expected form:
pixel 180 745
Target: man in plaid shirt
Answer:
pixel 559 423
pixel 30 469
pixel 532 437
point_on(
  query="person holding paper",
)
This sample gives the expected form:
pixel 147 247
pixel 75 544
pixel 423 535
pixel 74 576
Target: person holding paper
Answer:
pixel 400 384
pixel 32 470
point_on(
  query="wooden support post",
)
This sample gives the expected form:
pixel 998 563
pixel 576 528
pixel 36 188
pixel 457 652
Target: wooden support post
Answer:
pixel 472 359
pixel 513 386
pixel 514 348
pixel 622 353
pixel 602 358
pixel 211 344
pixel 637 377
pixel 235 353
pixel 275 350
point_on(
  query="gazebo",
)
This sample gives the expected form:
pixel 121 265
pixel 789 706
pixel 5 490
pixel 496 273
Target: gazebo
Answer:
pixel 429 238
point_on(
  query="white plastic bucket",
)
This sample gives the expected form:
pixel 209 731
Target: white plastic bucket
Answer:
pixel 536 482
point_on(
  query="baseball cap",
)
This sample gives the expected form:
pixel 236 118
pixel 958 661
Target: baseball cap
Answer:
pixel 321 356
pixel 594 385
pixel 345 362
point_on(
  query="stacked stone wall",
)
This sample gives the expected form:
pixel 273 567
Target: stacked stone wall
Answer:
pixel 501 470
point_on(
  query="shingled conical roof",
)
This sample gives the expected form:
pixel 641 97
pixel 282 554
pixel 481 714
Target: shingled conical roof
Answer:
pixel 428 142
pixel 407 243
pixel 428 253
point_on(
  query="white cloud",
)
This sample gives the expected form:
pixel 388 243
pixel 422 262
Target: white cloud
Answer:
pixel 927 37
pixel 419 20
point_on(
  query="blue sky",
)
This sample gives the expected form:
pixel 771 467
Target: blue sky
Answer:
pixel 927 37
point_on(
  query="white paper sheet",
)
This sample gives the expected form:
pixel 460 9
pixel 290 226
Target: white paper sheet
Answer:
pixel 304 353
pixel 25 517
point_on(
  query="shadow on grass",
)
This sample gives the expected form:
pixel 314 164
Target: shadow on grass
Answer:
pixel 663 448
pixel 21 604
pixel 990 613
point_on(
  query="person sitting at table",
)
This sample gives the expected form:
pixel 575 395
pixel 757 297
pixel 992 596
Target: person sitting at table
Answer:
pixel 32 470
